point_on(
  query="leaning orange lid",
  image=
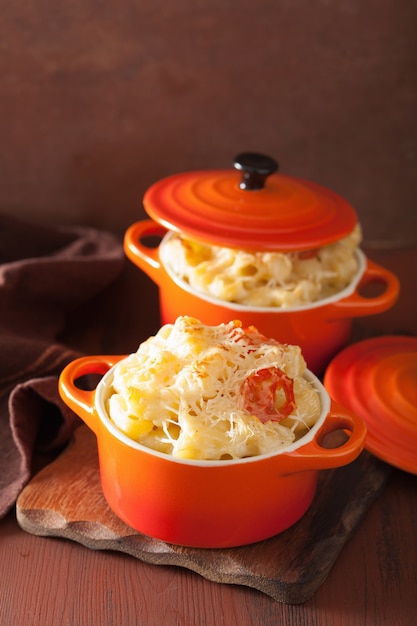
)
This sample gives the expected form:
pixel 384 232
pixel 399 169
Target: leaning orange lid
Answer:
pixel 377 379
pixel 250 207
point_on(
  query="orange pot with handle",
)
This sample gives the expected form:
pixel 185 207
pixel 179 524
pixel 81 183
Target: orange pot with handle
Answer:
pixel 206 504
pixel 253 208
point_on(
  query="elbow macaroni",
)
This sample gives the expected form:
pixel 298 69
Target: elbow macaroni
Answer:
pixel 181 392
pixel 273 279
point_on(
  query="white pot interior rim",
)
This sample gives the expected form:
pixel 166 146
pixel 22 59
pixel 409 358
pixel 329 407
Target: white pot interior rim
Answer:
pixel 104 391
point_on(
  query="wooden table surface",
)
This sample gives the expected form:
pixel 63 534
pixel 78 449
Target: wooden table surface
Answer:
pixel 51 582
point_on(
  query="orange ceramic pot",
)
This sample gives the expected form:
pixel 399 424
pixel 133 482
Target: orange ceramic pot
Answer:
pixel 320 329
pixel 254 208
pixel 206 504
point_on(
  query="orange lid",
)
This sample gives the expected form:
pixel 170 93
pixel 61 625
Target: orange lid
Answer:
pixel 377 379
pixel 250 207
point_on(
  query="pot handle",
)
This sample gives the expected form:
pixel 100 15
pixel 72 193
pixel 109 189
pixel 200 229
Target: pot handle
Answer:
pixel 145 257
pixel 314 456
pixel 82 401
pixel 356 305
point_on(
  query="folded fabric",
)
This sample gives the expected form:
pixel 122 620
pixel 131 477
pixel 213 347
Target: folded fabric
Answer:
pixel 46 273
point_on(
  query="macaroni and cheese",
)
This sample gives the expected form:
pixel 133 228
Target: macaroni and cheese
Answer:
pixel 213 392
pixel 270 279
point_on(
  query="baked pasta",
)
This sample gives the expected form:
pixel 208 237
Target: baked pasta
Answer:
pixel 213 392
pixel 263 279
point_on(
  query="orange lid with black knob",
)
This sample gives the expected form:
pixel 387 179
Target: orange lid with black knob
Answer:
pixel 250 207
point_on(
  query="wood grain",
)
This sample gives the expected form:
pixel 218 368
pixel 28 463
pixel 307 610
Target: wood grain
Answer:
pixel 65 500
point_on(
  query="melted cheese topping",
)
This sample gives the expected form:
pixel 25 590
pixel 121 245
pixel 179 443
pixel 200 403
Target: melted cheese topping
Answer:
pixel 273 279
pixel 181 392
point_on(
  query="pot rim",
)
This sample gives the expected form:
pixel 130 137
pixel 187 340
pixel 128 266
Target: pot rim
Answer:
pixel 103 392
pixel 340 295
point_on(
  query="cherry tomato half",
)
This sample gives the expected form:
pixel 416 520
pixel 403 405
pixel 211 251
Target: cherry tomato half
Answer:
pixel 261 394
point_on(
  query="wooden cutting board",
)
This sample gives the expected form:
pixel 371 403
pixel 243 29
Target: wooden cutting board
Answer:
pixel 65 500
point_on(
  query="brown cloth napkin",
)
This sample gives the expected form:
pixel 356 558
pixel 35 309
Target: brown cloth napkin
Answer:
pixel 45 274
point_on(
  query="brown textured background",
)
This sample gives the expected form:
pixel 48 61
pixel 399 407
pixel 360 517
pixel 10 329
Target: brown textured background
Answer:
pixel 100 99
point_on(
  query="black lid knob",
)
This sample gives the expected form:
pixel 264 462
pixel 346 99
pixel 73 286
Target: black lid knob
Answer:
pixel 256 168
